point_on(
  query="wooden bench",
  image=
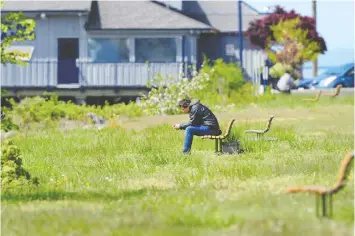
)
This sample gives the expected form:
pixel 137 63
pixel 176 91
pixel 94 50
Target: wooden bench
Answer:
pixel 322 192
pixel 218 139
pixel 336 93
pixel 260 133
pixel 314 99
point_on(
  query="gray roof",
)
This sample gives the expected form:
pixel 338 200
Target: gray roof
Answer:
pixel 139 15
pixel 39 6
pixel 222 15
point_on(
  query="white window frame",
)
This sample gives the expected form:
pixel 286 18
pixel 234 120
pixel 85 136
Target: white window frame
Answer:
pixel 131 42
pixel 129 39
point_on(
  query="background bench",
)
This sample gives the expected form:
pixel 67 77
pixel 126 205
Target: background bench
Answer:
pixel 314 99
pixel 336 93
pixel 322 192
pixel 260 133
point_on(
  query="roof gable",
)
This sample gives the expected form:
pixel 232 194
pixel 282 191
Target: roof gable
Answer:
pixel 222 15
pixel 138 15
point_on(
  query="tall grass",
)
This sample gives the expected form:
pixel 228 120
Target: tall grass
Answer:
pixel 118 181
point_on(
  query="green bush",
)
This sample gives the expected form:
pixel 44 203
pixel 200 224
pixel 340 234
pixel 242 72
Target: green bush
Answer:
pixel 49 110
pixel 6 122
pixel 164 96
pixel 110 111
pixel 225 77
pixel 279 70
pixel 13 175
pixel 216 83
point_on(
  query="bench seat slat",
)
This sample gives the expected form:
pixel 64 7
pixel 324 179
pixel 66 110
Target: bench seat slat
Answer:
pixel 228 130
pixel 309 189
pixel 255 131
pixel 212 137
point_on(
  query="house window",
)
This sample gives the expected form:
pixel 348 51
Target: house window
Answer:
pixel 103 50
pixel 155 49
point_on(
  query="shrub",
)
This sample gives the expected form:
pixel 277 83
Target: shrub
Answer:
pixel 13 175
pixel 215 83
pixel 49 110
pixel 225 77
pixel 165 93
pixel 279 70
pixel 6 122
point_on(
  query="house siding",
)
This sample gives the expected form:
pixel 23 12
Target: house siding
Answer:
pixel 253 57
pixel 42 69
pixel 51 28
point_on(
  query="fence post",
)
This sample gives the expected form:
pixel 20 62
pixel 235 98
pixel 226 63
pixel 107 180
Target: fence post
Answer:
pixel 182 70
pixel 265 76
pixel 80 63
pixel 254 81
pixel 14 76
pixel 115 78
pixel 148 68
pixel 48 73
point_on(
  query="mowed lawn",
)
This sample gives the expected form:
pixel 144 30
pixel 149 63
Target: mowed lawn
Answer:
pixel 133 180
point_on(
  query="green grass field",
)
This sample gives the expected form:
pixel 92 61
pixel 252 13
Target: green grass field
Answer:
pixel 133 180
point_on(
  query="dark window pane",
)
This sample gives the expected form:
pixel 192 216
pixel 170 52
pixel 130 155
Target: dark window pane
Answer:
pixel 155 49
pixel 108 50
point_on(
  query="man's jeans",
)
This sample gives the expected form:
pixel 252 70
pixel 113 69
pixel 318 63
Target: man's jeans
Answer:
pixel 201 130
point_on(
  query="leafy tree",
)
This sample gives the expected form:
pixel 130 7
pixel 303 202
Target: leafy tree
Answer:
pixel 260 32
pixel 297 48
pixel 15 27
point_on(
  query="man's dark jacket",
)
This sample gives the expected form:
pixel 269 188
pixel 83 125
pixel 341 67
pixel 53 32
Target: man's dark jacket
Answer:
pixel 201 115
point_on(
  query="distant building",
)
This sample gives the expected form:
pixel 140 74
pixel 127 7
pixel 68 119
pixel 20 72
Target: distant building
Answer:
pixel 112 48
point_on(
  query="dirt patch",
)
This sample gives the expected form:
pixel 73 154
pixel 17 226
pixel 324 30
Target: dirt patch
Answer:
pixel 74 124
pixel 252 115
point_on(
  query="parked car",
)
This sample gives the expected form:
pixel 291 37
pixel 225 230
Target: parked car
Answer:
pixel 343 75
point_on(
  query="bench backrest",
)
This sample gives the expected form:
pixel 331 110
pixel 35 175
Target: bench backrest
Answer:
pixel 268 125
pixel 344 172
pixel 337 91
pixel 229 128
pixel 318 95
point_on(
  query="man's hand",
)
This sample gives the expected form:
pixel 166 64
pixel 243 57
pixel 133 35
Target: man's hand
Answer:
pixel 177 126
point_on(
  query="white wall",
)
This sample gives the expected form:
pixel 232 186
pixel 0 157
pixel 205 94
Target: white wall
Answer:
pixel 49 29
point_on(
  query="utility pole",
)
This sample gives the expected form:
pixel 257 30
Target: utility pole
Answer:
pixel 315 63
pixel 240 18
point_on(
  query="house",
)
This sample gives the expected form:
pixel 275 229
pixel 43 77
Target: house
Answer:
pixel 223 17
pixel 113 48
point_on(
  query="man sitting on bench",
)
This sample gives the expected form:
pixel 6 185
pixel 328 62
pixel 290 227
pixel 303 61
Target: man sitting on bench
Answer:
pixel 202 122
